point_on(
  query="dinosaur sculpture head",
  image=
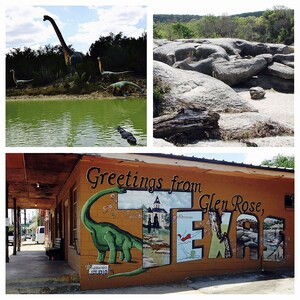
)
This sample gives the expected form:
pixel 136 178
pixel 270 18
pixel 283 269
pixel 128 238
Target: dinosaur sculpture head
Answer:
pixel 12 71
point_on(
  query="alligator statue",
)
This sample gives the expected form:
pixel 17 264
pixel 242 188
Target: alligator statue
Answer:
pixel 109 76
pixel 72 58
pixel 127 135
pixel 122 88
pixel 19 82
pixel 109 237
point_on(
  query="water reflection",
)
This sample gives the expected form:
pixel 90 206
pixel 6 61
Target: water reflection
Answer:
pixel 68 123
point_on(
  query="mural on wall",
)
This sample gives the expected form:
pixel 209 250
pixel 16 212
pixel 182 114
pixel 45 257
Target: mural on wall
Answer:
pixel 247 231
pixel 187 233
pixel 152 207
pixel 156 208
pixel 108 237
pixel 220 244
pixel 273 239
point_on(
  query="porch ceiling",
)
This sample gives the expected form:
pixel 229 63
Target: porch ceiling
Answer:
pixel 35 179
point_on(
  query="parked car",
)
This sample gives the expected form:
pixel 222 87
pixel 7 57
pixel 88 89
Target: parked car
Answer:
pixel 10 238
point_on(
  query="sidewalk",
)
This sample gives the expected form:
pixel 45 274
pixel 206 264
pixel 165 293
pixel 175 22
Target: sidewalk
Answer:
pixel 250 283
pixel 31 272
pixel 31 266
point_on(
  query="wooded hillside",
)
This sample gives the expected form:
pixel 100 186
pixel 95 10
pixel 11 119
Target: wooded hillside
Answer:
pixel 270 26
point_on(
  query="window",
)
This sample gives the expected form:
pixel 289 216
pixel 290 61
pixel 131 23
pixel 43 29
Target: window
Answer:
pixel 73 216
pixel 289 200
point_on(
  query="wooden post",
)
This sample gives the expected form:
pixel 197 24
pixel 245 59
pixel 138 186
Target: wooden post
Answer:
pixel 15 227
pixel 19 229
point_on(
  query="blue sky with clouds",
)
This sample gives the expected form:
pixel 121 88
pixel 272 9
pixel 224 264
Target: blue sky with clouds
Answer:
pixel 80 25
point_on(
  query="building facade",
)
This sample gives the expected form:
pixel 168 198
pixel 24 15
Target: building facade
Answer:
pixel 124 224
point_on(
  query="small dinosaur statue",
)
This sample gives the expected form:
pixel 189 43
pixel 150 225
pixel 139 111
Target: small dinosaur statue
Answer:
pixel 19 82
pixel 71 58
pixel 108 237
pixel 122 88
pixel 127 135
pixel 109 76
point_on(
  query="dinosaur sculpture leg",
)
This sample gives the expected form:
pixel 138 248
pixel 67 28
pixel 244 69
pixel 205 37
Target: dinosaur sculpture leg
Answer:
pixel 124 91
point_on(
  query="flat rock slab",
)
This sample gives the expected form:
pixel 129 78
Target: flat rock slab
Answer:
pixel 280 70
pixel 250 125
pixel 235 71
pixel 192 89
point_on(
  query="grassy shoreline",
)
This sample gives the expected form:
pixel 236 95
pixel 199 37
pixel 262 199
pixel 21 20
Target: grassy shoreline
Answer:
pixel 71 97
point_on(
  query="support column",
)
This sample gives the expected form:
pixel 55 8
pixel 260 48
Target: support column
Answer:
pixel 15 227
pixel 19 229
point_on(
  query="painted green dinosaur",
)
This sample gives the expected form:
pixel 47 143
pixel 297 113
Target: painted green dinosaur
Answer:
pixel 122 88
pixel 108 237
pixel 19 82
pixel 109 76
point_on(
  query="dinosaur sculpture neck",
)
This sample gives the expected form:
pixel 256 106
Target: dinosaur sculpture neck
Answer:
pixel 67 51
pixel 86 209
pixel 100 65
pixel 14 76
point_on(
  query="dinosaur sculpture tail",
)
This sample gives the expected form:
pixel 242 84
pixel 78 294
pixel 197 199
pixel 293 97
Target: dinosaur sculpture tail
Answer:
pixel 136 86
pixel 130 273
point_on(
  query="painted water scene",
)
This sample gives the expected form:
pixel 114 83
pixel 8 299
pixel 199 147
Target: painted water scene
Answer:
pixel 76 76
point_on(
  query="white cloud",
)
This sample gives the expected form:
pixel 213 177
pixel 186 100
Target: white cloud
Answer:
pixel 113 20
pixel 257 157
pixel 25 27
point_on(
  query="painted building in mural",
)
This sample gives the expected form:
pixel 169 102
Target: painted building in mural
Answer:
pixel 130 225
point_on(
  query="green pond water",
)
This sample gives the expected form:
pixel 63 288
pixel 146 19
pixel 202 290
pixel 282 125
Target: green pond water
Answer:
pixel 74 123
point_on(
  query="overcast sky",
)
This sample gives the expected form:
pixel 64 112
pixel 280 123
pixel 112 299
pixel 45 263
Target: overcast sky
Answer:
pixel 80 25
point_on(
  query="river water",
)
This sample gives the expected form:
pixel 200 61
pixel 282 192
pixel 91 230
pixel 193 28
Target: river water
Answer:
pixel 74 123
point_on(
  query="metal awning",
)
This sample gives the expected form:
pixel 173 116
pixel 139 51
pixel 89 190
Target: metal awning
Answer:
pixel 35 179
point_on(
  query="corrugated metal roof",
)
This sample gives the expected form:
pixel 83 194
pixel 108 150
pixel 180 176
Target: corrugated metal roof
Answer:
pixel 219 162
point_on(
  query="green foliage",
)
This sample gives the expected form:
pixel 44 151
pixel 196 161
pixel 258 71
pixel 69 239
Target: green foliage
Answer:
pixel 272 26
pixel 280 161
pixel 120 53
pixel 159 89
pixel 182 31
pixel 46 65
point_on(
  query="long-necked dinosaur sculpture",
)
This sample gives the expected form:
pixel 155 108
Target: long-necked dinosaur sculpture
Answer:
pixel 19 82
pixel 109 76
pixel 109 237
pixel 71 58
pixel 122 88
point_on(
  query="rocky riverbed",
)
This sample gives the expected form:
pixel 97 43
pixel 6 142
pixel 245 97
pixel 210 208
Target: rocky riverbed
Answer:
pixel 215 76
